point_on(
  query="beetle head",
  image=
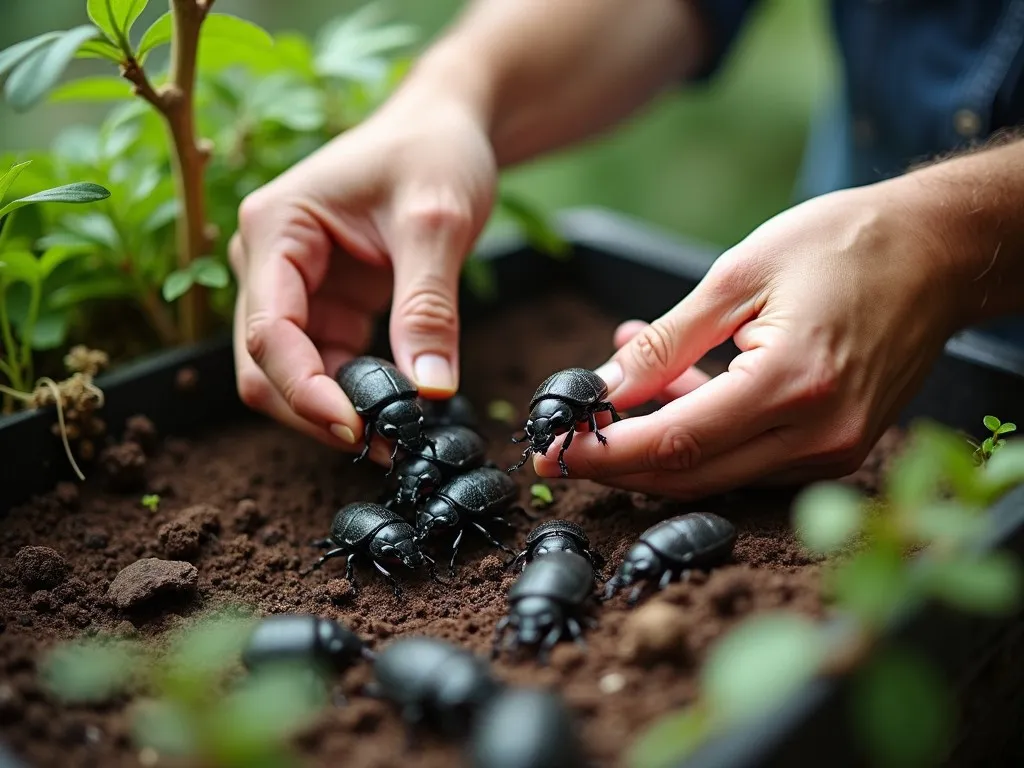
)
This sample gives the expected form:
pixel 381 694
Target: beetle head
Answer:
pixel 435 514
pixel 640 562
pixel 549 418
pixel 402 421
pixel 534 617
pixel 417 479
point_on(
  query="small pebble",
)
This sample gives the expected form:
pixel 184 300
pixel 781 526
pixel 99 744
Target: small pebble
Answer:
pixel 613 682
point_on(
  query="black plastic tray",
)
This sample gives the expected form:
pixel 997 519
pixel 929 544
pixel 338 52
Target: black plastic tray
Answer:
pixel 629 270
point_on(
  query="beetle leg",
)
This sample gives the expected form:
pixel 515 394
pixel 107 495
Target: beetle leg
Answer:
pixel 576 631
pixel 565 447
pixel 337 552
pixel 666 579
pixel 593 428
pixel 613 585
pixel 433 569
pixel 511 564
pixel 634 596
pixel 455 552
pixel 526 455
pixel 607 406
pixel 394 582
pixel 350 574
pixel 549 642
pixel 499 630
pixel 321 543
pixel 491 540
pixel 367 437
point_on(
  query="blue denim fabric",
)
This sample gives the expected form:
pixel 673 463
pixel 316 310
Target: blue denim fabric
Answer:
pixel 920 78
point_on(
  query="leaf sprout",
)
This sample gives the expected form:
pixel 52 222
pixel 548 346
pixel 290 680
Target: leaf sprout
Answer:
pixel 541 496
pixel 151 501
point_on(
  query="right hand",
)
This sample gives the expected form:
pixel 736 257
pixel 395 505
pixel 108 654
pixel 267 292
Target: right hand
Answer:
pixel 387 211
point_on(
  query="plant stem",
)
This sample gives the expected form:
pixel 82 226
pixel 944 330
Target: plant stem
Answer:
pixel 28 330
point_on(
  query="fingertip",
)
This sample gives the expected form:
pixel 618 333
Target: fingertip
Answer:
pixel 436 377
pixel 627 331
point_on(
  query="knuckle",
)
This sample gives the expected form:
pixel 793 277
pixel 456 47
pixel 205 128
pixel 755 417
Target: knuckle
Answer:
pixel 676 450
pixel 444 215
pixel 236 254
pixel 254 390
pixel 654 346
pixel 258 330
pixel 429 310
pixel 254 208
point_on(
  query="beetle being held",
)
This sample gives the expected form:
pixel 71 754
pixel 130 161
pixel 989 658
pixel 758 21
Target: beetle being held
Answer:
pixel 548 601
pixel 386 399
pixel 364 529
pixel 671 549
pixel 561 402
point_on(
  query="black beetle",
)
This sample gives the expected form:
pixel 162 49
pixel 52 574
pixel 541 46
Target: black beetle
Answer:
pixel 548 600
pixel 525 728
pixel 557 536
pixel 563 400
pixel 304 637
pixel 671 549
pixel 456 450
pixel 365 528
pixel 479 496
pixel 433 682
pixel 387 400
pixel 455 411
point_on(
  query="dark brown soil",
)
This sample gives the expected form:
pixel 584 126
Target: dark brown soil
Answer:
pixel 241 505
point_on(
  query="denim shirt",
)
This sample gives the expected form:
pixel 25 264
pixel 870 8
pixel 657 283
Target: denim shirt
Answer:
pixel 920 78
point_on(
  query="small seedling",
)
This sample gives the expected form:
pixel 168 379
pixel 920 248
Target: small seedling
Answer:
pixel 151 501
pixel 983 451
pixel 541 496
pixel 501 410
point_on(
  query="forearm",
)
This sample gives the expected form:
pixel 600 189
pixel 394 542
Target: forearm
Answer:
pixel 544 73
pixel 974 204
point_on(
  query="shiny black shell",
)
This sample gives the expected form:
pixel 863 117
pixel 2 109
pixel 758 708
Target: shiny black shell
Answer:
pixel 480 491
pixel 576 386
pixel 525 728
pixel 695 539
pixel 454 411
pixel 302 638
pixel 564 527
pixel 458 448
pixel 372 383
pixel 357 522
pixel 564 577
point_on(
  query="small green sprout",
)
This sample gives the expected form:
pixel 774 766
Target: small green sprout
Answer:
pixel 501 410
pixel 151 501
pixel 983 451
pixel 541 496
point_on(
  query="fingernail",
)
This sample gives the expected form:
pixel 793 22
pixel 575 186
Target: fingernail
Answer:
pixel 611 372
pixel 434 374
pixel 343 433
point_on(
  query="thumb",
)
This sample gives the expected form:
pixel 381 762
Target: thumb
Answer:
pixel 427 258
pixel 665 349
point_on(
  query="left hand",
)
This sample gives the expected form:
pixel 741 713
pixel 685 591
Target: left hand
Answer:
pixel 838 306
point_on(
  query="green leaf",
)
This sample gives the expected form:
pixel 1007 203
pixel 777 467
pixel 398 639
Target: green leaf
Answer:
pixel 991 423
pixel 166 727
pixel 78 144
pixel 15 54
pixel 49 331
pixel 827 516
pixel 202 653
pixel 57 255
pixel 96 228
pixel 88 672
pixel 177 284
pixel 10 176
pixel 114 286
pixel 38 74
pixel 947 523
pixel 92 89
pixel 19 265
pixel 218 27
pixel 281 98
pixel 353 47
pixel 501 410
pixel 1006 428
pixel 989 584
pixel 669 740
pixel 537 228
pixel 541 495
pixel 759 663
pixel 294 52
pixel 79 192
pixel 987 445
pixel 164 214
pixel 100 49
pixel 871 584
pixel 1004 470
pixel 207 271
pixel 903 709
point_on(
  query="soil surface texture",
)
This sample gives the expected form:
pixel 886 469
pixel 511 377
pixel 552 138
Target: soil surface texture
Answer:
pixel 240 505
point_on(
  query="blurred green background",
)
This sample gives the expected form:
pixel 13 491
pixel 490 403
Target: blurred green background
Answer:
pixel 710 162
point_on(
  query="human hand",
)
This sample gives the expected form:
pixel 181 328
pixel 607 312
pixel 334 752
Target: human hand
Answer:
pixel 838 306
pixel 387 211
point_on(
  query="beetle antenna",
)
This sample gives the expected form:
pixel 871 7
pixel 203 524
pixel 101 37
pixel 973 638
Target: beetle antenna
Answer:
pixel 526 455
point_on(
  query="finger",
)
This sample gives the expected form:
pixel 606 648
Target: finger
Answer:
pixel 664 349
pixel 690 379
pixel 763 456
pixel 427 253
pixel 337 325
pixel 684 434
pixel 287 260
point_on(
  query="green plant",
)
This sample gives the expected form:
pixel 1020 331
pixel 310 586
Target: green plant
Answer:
pixel 541 496
pixel 151 501
pixel 501 410
pixel 983 451
pixel 935 498
pixel 192 702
